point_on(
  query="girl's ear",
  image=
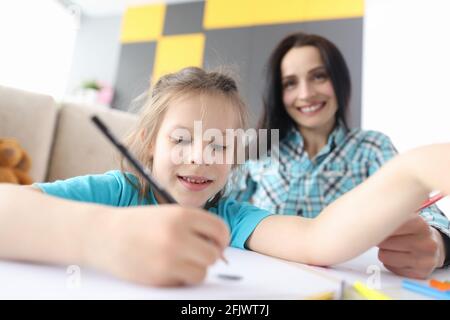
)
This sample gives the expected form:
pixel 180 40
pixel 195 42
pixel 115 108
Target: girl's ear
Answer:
pixel 151 150
pixel 143 134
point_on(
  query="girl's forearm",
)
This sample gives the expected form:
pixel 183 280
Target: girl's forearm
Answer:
pixel 39 228
pixel 368 214
pixel 431 166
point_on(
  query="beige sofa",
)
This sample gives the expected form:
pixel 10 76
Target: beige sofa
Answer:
pixel 60 137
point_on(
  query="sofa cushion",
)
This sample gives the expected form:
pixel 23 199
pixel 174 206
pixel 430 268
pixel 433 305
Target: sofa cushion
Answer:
pixel 79 147
pixel 31 119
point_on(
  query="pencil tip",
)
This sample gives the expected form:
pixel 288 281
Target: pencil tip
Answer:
pixel 224 259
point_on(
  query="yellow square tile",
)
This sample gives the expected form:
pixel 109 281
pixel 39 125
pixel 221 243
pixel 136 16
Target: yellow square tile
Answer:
pixel 244 13
pixel 144 23
pixel 176 52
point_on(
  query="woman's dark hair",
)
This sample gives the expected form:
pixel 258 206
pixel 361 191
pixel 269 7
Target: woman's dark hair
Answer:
pixel 275 116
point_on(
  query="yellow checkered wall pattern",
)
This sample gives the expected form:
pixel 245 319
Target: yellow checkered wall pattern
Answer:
pixel 159 39
pixel 146 23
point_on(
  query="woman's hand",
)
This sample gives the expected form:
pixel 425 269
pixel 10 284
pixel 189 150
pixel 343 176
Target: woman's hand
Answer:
pixel 162 245
pixel 414 250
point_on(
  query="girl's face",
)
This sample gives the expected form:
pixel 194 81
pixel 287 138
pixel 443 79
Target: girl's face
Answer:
pixel 308 94
pixel 185 159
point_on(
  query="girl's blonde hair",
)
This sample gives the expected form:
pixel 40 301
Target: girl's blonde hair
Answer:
pixel 191 80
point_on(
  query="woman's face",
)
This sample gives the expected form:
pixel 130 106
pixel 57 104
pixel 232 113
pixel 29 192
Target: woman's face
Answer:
pixel 308 93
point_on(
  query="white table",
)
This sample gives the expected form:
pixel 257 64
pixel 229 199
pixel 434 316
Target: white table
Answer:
pixel 262 278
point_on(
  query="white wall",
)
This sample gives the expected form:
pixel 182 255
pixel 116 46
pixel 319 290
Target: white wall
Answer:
pixel 37 42
pixel 406 72
pixel 96 51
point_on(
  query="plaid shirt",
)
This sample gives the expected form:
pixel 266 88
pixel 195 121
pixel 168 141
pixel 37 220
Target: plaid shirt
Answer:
pixel 297 185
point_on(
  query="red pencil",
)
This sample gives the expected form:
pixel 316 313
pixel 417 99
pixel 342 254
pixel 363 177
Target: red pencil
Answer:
pixel 431 201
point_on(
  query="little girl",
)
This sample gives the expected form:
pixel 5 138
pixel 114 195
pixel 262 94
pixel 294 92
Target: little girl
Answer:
pixel 115 223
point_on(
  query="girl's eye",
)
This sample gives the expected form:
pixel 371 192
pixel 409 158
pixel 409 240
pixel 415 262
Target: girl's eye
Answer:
pixel 218 147
pixel 180 140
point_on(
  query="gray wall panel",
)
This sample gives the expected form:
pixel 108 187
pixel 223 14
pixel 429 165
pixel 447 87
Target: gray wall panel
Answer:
pixel 184 18
pixel 231 48
pixel 135 69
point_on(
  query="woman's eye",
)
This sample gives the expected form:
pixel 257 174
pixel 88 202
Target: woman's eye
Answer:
pixel 320 76
pixel 288 84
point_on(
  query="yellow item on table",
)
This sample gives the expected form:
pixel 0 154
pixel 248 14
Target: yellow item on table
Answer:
pixel 368 293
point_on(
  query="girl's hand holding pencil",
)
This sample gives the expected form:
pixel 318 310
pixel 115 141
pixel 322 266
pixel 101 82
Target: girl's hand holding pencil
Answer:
pixel 158 245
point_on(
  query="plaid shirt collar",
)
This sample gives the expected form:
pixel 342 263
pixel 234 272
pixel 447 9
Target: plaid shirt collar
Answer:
pixel 293 143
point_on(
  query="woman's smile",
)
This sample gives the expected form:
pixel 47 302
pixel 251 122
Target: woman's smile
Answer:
pixel 311 109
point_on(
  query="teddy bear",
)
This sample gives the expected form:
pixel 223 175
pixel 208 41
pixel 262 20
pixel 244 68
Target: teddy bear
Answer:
pixel 15 163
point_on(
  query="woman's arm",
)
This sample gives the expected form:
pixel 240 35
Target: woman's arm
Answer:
pixel 162 245
pixel 361 218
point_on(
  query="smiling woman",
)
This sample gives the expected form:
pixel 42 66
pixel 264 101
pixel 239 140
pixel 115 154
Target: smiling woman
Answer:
pixel 320 159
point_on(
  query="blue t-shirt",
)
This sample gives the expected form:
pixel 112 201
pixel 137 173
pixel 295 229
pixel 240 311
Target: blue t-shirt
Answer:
pixel 111 188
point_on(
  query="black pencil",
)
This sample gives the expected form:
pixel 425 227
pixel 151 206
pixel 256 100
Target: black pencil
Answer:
pixel 124 151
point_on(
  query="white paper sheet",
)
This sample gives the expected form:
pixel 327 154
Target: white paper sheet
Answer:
pixel 262 277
